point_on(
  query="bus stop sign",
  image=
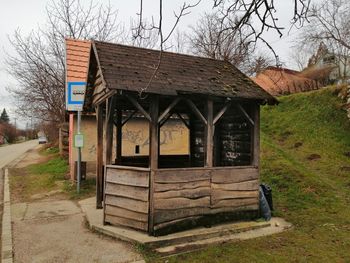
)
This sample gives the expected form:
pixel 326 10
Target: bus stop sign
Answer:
pixel 75 95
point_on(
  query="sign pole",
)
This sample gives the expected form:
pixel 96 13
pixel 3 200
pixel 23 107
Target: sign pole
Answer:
pixel 79 154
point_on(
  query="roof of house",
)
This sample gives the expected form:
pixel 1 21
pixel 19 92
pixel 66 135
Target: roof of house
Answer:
pixel 130 68
pixel 77 59
pixel 281 81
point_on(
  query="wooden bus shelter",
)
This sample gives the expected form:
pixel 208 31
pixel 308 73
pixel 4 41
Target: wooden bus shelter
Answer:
pixel 216 181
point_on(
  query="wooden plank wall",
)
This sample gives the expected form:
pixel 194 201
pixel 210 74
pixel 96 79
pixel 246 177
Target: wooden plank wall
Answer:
pixel 183 194
pixel 234 189
pixel 126 197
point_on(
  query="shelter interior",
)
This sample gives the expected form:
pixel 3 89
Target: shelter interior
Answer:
pixel 216 181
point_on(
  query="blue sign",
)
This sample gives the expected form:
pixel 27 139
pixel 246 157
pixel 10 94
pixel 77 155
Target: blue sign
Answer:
pixel 75 95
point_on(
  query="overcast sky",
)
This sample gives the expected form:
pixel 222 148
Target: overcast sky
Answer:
pixel 28 15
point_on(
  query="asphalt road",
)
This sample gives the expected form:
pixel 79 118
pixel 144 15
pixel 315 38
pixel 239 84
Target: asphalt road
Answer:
pixel 9 153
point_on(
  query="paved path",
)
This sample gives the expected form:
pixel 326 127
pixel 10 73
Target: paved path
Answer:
pixel 9 153
pixel 53 230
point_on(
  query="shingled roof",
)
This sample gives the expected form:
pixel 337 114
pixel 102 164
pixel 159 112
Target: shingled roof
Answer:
pixel 130 68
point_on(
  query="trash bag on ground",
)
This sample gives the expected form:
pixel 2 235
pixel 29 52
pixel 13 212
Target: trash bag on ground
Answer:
pixel 264 208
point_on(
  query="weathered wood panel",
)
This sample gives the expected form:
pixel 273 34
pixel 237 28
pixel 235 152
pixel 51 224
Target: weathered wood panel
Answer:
pixel 127 203
pixel 182 176
pixel 162 216
pixel 244 186
pixel 133 192
pixel 229 209
pixel 235 202
pixel 125 213
pixel 127 177
pixel 182 194
pixel 115 220
pixel 186 193
pixel 177 203
pixel 225 175
pixel 179 186
pixel 218 195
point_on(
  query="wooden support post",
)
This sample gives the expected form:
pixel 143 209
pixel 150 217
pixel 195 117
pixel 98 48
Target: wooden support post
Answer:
pixel 128 118
pixel 187 124
pixel 153 156
pixel 99 153
pixel 110 105
pixel 256 136
pixel 209 134
pixel 196 111
pixel 119 136
pixel 222 112
pixel 168 109
pixel 246 115
pixel 138 106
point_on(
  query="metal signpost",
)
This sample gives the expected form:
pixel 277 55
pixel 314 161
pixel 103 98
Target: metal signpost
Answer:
pixel 75 94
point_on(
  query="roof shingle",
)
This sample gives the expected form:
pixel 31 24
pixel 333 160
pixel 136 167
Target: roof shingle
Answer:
pixel 130 68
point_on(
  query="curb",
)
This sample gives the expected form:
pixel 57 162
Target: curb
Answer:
pixel 6 236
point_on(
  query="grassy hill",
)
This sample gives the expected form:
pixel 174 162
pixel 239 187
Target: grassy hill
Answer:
pixel 305 158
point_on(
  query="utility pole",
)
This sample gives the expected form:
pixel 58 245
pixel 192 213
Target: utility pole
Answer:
pixel 79 154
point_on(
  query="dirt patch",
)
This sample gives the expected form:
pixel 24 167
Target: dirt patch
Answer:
pixel 32 156
pixel 347 154
pixel 345 168
pixel 285 135
pixel 313 157
pixel 298 144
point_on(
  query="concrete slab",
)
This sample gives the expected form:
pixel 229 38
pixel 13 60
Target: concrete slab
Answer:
pixel 18 210
pixel 43 209
pixel 190 239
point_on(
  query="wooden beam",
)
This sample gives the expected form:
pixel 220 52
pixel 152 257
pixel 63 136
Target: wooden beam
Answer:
pixel 183 120
pixel 222 112
pixel 110 106
pixel 153 156
pixel 239 106
pixel 168 109
pixel 196 111
pixel 129 117
pixel 209 134
pixel 165 120
pixel 99 157
pixel 138 106
pixel 119 126
pixel 256 137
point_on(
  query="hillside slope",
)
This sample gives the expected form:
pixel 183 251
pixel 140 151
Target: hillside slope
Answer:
pixel 306 159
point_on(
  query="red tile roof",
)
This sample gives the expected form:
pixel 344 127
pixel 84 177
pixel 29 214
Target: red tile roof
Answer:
pixel 281 81
pixel 77 59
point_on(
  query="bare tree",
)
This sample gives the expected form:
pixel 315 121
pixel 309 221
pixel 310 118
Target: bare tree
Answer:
pixel 39 62
pixel 235 16
pixel 300 54
pixel 207 39
pixel 255 17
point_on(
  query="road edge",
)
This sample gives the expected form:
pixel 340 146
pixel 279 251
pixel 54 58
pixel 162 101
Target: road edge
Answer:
pixel 6 235
pixel 7 254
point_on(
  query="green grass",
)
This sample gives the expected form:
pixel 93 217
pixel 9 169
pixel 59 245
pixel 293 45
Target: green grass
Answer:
pixel 87 189
pixel 42 177
pixel 313 194
pixel 45 176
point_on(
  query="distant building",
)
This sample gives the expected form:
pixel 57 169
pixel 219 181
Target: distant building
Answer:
pixel 338 64
pixel 282 81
